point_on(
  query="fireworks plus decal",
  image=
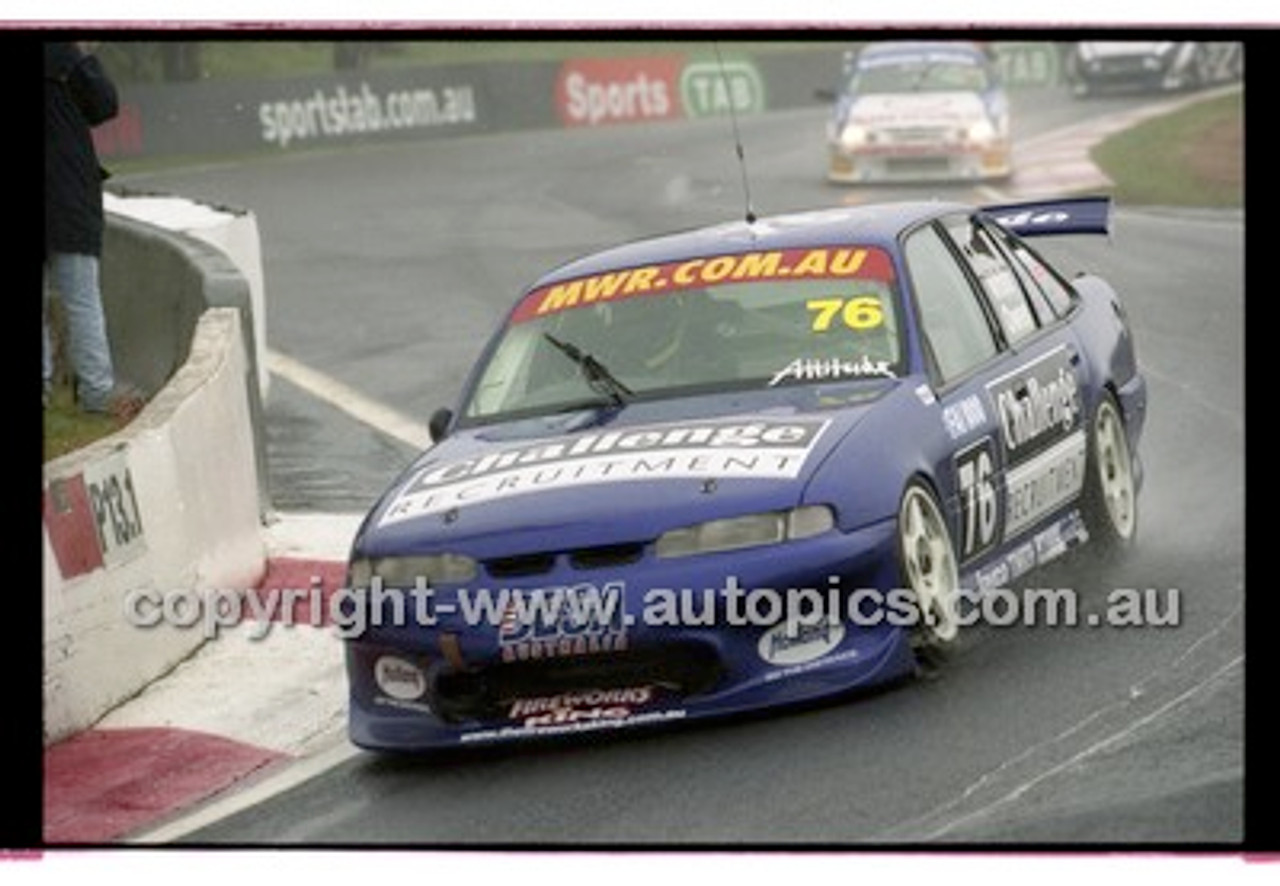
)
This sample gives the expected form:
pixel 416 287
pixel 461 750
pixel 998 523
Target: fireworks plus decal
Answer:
pixel 764 449
pixel 577 707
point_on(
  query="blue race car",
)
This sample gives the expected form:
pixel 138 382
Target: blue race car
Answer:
pixel 924 110
pixel 744 466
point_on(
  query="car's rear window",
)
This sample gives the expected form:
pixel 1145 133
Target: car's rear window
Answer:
pixel 755 319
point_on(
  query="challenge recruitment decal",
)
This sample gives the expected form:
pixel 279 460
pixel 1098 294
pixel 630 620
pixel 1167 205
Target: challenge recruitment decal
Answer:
pixel 764 449
pixel 1041 424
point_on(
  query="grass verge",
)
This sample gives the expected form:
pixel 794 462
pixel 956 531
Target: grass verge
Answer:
pixel 67 429
pixel 1192 157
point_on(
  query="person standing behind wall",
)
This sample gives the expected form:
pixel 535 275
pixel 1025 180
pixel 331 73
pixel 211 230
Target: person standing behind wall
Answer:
pixel 78 95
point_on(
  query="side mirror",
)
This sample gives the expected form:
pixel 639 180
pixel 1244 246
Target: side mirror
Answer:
pixel 438 425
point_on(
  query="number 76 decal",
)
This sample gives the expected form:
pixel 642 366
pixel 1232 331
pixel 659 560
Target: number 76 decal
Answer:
pixel 974 470
pixel 860 312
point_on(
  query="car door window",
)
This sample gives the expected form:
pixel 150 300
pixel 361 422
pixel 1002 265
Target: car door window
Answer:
pixel 1004 291
pixel 1053 288
pixel 954 324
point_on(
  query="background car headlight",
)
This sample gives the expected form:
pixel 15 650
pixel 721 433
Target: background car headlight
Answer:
pixel 748 531
pixel 981 131
pixel 853 136
pixel 403 572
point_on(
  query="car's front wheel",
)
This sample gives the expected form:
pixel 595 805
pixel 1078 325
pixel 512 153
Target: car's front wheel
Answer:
pixel 929 567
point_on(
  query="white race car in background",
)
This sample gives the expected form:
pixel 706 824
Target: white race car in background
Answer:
pixel 1151 65
pixel 919 111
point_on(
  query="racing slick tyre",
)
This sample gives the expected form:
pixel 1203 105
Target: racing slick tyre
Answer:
pixel 1110 503
pixel 928 565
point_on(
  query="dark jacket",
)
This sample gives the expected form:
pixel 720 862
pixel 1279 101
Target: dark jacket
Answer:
pixel 77 96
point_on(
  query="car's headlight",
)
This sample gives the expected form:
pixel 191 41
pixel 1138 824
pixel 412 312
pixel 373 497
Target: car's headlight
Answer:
pixel 748 531
pixel 981 131
pixel 403 572
pixel 854 136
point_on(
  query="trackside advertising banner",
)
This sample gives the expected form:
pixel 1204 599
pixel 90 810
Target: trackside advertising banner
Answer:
pixel 216 117
pixel 225 117
pixel 595 92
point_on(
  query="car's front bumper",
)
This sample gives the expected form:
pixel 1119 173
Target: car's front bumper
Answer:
pixel 1131 74
pixel 977 163
pixel 643 670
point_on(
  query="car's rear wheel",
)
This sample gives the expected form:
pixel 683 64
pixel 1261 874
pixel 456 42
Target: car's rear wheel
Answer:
pixel 929 567
pixel 1111 504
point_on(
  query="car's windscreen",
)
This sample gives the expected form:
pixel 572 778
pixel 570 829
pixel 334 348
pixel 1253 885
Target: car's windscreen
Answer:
pixel 720 322
pixel 918 74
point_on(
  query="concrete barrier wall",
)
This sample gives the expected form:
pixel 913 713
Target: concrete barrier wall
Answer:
pixel 231 231
pixel 163 509
pixel 156 285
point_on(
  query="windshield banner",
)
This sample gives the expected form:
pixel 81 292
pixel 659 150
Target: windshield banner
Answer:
pixel 832 262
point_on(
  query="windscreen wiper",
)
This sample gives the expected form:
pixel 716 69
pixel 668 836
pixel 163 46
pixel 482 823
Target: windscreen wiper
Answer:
pixel 917 82
pixel 601 380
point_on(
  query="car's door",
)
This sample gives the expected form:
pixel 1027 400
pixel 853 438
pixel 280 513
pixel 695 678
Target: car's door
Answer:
pixel 1006 373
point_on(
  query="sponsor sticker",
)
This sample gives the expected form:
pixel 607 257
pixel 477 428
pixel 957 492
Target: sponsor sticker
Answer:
pixel 580 706
pixel 848 262
pixel 831 369
pixel 399 678
pixel 796 670
pixel 1044 483
pixel 570 726
pixel 760 449
pixel 795 644
pixel 1037 404
pixel 964 416
pixel 1048 544
pixel 562 622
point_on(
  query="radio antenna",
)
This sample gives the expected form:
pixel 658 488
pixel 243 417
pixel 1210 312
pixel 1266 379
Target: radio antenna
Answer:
pixel 737 137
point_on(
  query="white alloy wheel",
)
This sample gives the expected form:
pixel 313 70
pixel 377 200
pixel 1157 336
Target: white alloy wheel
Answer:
pixel 1113 474
pixel 929 565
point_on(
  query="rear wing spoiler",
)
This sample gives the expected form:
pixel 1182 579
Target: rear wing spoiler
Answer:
pixel 1072 215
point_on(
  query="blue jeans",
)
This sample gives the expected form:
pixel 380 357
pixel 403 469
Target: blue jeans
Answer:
pixel 75 278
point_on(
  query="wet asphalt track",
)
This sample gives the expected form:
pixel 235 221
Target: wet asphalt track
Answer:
pixel 386 267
